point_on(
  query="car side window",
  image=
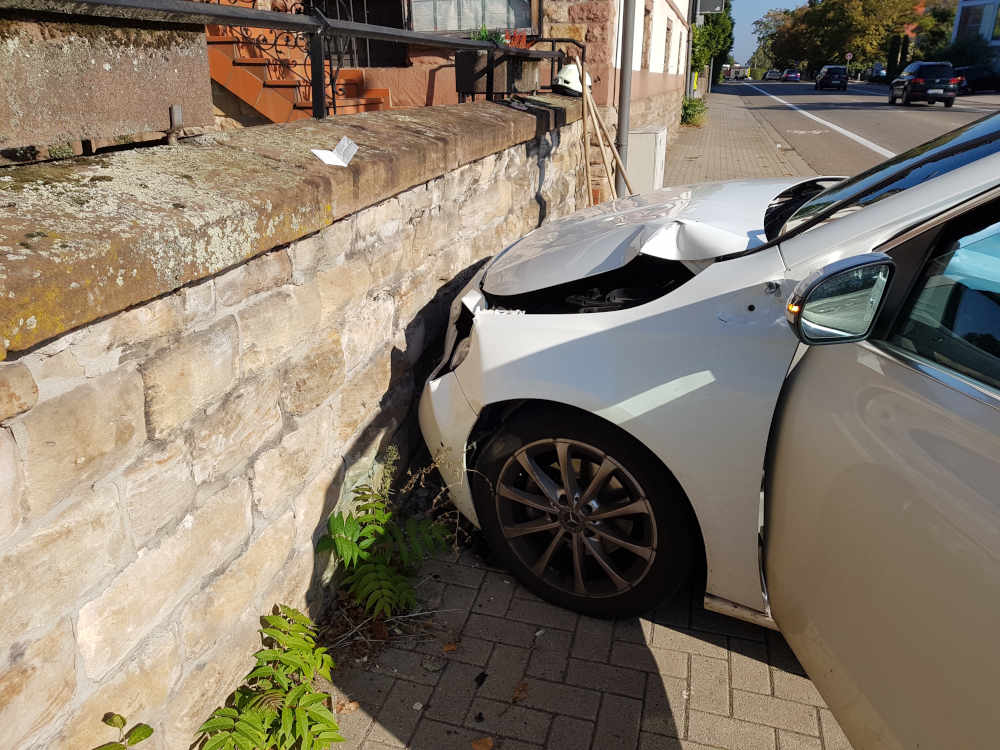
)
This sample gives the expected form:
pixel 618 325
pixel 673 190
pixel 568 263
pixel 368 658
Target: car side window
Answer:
pixel 953 315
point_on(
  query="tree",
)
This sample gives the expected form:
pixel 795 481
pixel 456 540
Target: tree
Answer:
pixel 934 27
pixel 712 42
pixel 824 31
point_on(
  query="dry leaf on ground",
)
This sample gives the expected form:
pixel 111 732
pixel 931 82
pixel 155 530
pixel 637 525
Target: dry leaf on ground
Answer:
pixel 347 707
pixel 483 743
pixel 449 647
pixel 520 692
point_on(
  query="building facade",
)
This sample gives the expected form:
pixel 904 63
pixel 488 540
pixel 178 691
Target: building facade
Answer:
pixel 978 18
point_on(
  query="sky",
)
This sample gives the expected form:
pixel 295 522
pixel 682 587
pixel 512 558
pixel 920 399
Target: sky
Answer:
pixel 745 12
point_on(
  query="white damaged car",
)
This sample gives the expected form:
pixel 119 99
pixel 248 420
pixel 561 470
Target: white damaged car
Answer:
pixel 635 393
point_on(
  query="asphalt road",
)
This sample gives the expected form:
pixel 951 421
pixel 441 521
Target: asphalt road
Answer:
pixel 869 129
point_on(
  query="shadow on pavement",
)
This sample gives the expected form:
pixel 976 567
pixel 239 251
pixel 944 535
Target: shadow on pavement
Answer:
pixel 507 671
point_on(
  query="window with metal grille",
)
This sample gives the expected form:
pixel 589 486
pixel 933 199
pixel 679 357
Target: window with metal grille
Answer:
pixel 468 15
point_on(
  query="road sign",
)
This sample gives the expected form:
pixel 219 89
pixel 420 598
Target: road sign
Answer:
pixel 710 6
pixel 849 56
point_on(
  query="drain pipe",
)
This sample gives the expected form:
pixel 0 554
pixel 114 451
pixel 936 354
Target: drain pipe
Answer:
pixel 624 90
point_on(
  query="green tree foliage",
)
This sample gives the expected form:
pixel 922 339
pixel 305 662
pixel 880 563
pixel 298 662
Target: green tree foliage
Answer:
pixel 126 739
pixel 712 42
pixel 934 28
pixel 824 31
pixel 377 548
pixel 278 707
pixel 764 30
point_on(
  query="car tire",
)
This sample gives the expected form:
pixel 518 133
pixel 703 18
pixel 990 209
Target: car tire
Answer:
pixel 892 97
pixel 906 98
pixel 546 532
pixel 949 102
pixel 844 87
pixel 816 86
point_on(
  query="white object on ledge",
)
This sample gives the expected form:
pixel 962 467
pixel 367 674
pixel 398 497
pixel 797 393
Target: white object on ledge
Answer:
pixel 341 155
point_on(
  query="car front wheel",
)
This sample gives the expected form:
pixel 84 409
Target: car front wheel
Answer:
pixel 949 102
pixel 892 96
pixel 582 513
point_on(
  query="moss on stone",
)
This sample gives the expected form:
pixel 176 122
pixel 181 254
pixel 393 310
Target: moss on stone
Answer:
pixel 61 151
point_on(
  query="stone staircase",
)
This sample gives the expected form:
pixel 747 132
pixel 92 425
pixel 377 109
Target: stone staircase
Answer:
pixel 269 71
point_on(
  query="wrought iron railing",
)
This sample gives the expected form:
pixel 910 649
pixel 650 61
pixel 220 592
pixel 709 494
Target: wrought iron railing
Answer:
pixel 315 37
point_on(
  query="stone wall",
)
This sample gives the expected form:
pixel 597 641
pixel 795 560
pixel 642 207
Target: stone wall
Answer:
pixel 167 464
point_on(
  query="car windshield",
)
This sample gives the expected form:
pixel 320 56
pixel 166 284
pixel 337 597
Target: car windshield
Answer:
pixel 927 161
pixel 934 71
pixel 835 70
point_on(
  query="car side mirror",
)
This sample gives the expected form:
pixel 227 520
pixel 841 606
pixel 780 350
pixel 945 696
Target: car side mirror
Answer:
pixel 839 303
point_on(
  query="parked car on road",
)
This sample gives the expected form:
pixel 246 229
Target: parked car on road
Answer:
pixel 975 78
pixel 772 75
pixel 791 385
pixel 831 77
pixel 791 75
pixel 925 82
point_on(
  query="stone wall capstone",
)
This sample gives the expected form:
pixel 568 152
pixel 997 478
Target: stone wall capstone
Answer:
pixel 165 469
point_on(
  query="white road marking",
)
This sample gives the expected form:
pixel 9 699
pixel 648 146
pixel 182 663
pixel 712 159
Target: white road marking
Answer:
pixel 844 132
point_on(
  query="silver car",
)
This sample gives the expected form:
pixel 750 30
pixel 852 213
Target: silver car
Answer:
pixel 791 385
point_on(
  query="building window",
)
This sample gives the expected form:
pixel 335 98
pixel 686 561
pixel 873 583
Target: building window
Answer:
pixel 647 33
pixel 468 15
pixel 970 18
pixel 666 47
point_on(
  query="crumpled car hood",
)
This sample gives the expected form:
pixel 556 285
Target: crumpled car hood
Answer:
pixel 692 224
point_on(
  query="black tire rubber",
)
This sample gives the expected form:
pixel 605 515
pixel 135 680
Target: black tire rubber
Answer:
pixel 673 562
pixel 949 102
pixel 906 98
pixel 892 96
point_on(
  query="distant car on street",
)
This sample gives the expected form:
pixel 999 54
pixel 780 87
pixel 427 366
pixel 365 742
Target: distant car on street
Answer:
pixel 772 75
pixel 831 77
pixel 925 82
pixel 791 75
pixel 975 78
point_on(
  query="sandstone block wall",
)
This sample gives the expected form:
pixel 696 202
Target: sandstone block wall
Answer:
pixel 166 469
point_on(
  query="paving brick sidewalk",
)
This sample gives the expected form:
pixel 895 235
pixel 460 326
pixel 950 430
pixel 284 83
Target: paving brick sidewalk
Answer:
pixel 732 144
pixel 526 676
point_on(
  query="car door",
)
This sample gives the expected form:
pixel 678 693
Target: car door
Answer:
pixel 882 509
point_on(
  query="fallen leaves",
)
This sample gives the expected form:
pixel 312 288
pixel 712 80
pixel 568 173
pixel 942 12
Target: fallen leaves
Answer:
pixel 483 743
pixel 347 707
pixel 449 647
pixel 520 692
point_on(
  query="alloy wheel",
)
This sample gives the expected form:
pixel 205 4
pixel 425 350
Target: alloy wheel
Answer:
pixel 576 518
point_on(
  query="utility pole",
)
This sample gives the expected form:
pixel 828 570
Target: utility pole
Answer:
pixel 624 91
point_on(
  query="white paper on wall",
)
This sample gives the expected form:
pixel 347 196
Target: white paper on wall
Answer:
pixel 341 155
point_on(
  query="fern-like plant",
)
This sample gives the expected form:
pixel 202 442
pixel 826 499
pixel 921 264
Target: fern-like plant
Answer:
pixel 377 549
pixel 278 707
